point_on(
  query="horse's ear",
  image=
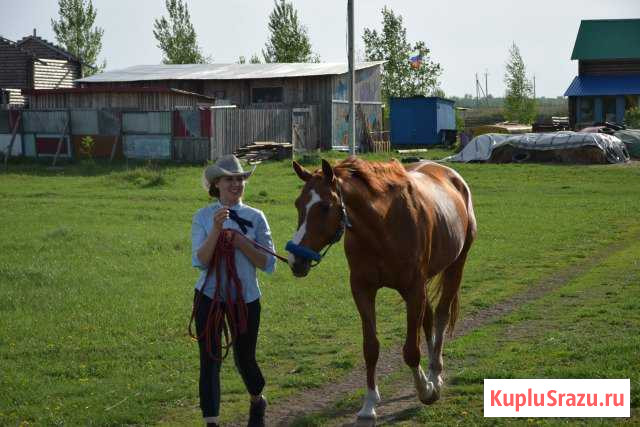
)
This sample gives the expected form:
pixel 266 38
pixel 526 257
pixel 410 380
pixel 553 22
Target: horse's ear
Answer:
pixel 327 171
pixel 304 174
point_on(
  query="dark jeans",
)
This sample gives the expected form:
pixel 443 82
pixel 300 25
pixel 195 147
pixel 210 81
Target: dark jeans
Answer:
pixel 244 355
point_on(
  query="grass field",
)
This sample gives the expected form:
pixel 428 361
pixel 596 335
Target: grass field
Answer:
pixel 97 286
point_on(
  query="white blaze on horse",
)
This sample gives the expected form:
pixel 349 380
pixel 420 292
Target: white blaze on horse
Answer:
pixel 404 227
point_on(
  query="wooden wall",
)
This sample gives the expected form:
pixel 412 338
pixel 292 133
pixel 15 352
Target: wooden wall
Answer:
pixel 54 74
pixel 631 66
pixel 134 101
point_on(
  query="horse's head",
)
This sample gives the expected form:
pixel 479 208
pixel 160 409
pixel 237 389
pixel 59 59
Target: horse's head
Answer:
pixel 321 217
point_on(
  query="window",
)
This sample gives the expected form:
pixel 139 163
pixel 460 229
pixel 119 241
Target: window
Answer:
pixel 260 95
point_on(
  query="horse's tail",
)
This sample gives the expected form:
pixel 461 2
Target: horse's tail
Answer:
pixel 446 287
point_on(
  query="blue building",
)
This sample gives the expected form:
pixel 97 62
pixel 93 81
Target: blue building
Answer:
pixel 608 80
pixel 422 121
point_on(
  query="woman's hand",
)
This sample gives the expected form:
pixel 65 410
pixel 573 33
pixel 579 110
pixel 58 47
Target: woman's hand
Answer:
pixel 219 218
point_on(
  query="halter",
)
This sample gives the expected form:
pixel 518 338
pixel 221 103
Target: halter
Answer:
pixel 310 254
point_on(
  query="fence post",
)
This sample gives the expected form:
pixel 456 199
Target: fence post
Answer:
pixel 13 137
pixel 64 133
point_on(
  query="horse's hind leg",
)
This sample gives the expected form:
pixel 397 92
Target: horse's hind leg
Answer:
pixel 365 299
pixel 415 300
pixel 446 314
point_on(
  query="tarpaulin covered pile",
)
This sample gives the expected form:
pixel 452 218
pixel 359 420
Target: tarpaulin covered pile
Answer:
pixel 565 147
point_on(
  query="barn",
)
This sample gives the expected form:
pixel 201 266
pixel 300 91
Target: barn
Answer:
pixel 608 80
pixel 313 94
pixel 34 63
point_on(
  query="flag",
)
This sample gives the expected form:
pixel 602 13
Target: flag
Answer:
pixel 415 60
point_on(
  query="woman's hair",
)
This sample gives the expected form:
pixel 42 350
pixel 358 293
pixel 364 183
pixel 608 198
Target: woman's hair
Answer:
pixel 213 190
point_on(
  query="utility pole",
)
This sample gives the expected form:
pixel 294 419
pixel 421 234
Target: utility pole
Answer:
pixel 486 85
pixel 534 86
pixel 352 89
pixel 477 91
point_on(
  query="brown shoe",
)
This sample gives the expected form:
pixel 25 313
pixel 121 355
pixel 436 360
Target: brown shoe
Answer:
pixel 256 413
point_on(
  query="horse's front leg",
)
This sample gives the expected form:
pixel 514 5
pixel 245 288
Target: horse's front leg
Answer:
pixel 365 299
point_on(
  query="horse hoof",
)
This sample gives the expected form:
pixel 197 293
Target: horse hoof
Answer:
pixel 368 421
pixel 432 398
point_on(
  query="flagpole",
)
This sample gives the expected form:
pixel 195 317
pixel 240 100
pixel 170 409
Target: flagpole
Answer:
pixel 352 109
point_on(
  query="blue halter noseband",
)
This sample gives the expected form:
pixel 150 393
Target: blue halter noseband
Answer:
pixel 310 254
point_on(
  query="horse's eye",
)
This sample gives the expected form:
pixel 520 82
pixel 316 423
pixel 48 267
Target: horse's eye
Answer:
pixel 325 206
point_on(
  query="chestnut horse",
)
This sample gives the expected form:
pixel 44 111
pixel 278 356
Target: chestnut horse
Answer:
pixel 404 227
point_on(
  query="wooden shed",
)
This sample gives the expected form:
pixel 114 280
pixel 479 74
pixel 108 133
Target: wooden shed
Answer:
pixel 320 87
pixel 34 63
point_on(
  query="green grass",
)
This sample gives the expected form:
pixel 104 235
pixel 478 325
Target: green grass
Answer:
pixel 97 284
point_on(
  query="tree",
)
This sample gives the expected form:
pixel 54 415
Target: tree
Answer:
pixel 176 36
pixel 75 31
pixel 401 77
pixel 519 103
pixel 253 60
pixel 289 41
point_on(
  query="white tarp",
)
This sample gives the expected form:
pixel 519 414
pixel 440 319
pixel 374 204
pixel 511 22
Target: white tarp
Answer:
pixel 478 149
pixel 481 147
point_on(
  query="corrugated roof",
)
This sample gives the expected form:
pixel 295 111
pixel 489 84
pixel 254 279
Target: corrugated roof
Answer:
pixel 221 71
pixel 608 39
pixel 604 85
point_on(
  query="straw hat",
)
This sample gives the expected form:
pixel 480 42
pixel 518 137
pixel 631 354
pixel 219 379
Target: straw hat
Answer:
pixel 228 165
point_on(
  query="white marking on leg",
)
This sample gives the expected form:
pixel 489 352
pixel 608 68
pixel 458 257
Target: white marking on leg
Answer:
pixel 297 238
pixel 371 399
pixel 424 387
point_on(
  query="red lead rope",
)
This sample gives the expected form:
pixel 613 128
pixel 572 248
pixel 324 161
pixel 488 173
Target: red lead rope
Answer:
pixel 227 316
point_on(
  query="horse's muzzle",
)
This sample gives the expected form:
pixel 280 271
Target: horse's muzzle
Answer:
pixel 300 267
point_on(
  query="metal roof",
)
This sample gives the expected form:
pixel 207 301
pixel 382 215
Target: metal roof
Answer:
pixel 221 71
pixel 608 39
pixel 624 84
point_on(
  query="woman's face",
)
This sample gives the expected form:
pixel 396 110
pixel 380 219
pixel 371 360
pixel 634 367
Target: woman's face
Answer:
pixel 231 189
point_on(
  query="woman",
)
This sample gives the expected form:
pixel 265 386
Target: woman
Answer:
pixel 225 180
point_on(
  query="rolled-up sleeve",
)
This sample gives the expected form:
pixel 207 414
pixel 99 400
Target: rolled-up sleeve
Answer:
pixel 198 236
pixel 263 237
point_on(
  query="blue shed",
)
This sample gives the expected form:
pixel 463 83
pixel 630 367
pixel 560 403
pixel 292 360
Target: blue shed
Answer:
pixel 422 121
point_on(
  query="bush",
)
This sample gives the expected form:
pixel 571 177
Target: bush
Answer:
pixel 632 118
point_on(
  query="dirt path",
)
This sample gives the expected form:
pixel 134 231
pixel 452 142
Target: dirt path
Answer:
pixel 323 399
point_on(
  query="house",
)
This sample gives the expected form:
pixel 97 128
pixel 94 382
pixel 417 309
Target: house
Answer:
pixel 34 63
pixel 608 80
pixel 320 88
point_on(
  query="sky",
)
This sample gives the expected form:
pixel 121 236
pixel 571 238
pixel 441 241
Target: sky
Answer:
pixel 465 36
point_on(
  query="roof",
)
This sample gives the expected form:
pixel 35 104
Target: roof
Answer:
pixel 17 48
pixel 608 39
pixel 47 45
pixel 81 90
pixel 222 71
pixel 588 85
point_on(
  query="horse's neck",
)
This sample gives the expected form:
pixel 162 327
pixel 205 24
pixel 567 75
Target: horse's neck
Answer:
pixel 366 210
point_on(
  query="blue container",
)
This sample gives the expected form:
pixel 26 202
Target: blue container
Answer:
pixel 422 121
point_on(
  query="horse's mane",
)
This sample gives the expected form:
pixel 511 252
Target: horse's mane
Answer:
pixel 377 176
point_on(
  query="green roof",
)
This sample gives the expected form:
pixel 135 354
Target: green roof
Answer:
pixel 608 39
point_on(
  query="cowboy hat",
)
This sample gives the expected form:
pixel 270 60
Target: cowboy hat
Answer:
pixel 228 165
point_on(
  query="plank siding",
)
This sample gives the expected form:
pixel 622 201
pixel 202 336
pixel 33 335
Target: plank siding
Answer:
pixel 132 101
pixel 609 67
pixel 54 74
pixel 15 66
